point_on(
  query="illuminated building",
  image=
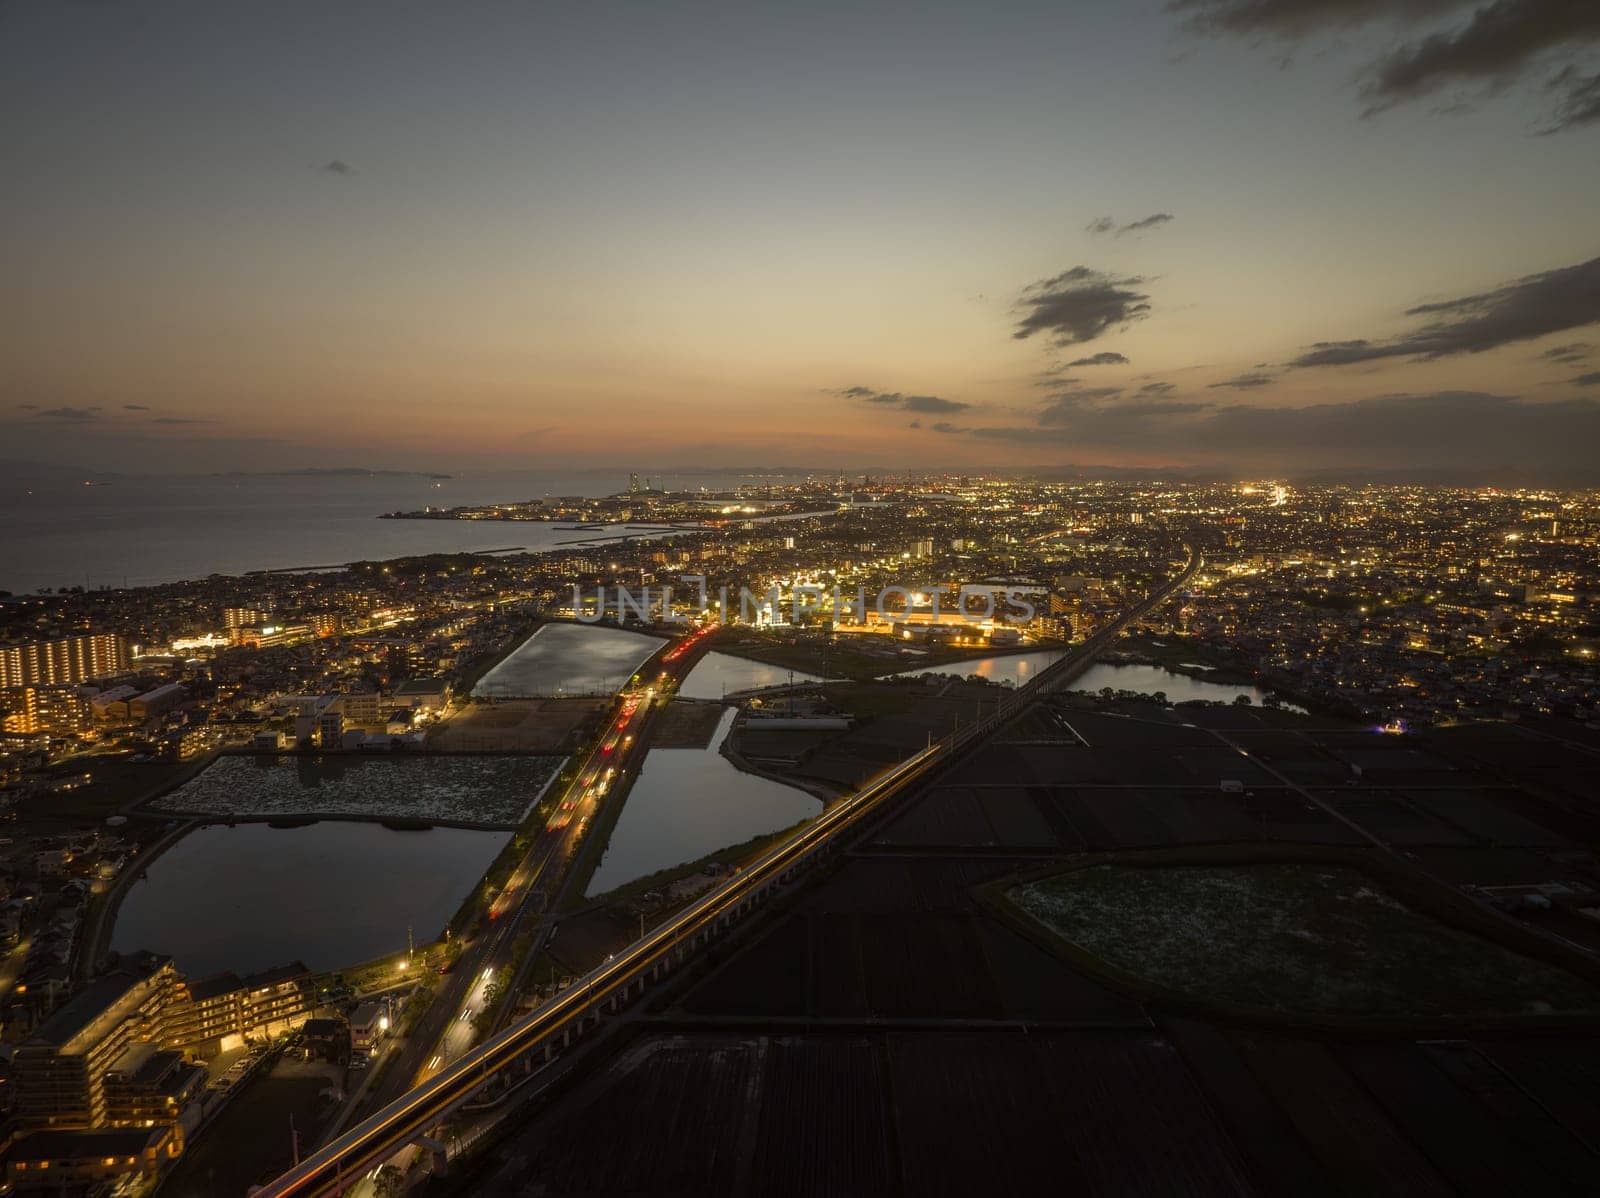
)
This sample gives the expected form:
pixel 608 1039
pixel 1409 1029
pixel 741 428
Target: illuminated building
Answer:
pixel 63 662
pixel 225 1008
pixel 59 1073
pixel 244 617
pixel 31 709
pixel 61 1160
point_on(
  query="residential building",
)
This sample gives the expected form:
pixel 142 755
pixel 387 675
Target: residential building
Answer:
pixel 59 1072
pixel 63 710
pixel 59 1161
pixel 63 662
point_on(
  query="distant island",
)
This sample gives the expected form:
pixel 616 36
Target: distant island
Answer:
pixel 665 509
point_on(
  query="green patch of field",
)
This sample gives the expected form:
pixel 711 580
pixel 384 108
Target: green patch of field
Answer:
pixel 1306 937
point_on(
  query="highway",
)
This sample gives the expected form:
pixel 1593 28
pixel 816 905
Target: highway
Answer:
pixel 447 1030
pixel 338 1165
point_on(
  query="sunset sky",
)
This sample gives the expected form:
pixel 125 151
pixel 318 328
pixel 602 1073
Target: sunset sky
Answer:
pixel 1257 235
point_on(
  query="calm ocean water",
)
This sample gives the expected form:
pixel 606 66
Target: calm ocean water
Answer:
pixel 138 531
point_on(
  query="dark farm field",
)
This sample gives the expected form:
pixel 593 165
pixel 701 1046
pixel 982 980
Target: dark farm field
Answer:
pixel 883 1029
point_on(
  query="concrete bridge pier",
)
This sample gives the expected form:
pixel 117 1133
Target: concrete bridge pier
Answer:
pixel 438 1155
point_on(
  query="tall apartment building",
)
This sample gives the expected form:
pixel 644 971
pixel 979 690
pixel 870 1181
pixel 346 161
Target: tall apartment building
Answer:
pixel 31 709
pixel 245 617
pixel 325 623
pixel 65 661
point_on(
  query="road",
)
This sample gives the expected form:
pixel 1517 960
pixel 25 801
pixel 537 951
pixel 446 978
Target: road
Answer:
pixel 333 1168
pixel 447 1030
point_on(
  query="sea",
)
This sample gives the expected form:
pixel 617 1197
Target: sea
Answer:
pixel 57 532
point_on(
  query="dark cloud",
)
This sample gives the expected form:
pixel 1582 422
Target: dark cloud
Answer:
pixel 1100 224
pixel 1460 428
pixel 1535 306
pixel 1121 425
pixel 1592 379
pixel 1157 388
pixel 1297 18
pixel 1152 221
pixel 67 415
pixel 944 427
pixel 1104 358
pixel 1474 433
pixel 337 167
pixel 1070 404
pixel 912 403
pixel 1245 382
pixel 1479 47
pixel 915 424
pixel 932 403
pixel 1578 351
pixel 1496 45
pixel 135 407
pixel 178 420
pixel 1079 305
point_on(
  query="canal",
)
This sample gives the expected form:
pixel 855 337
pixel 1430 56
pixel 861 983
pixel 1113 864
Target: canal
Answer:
pixel 1018 669
pixel 690 802
pixel 720 674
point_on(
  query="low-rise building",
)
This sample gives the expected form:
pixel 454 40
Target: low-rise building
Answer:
pixel 156 702
pixel 225 1008
pixel 148 1085
pixel 369 1024
pixel 60 1160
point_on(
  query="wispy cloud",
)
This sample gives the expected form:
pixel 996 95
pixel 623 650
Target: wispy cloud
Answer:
pixel 1154 220
pixel 1101 225
pixel 1245 382
pixel 1495 46
pixel 68 415
pixel 1536 306
pixel 924 404
pixel 1290 19
pixel 1577 351
pixel 1104 358
pixel 1468 51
